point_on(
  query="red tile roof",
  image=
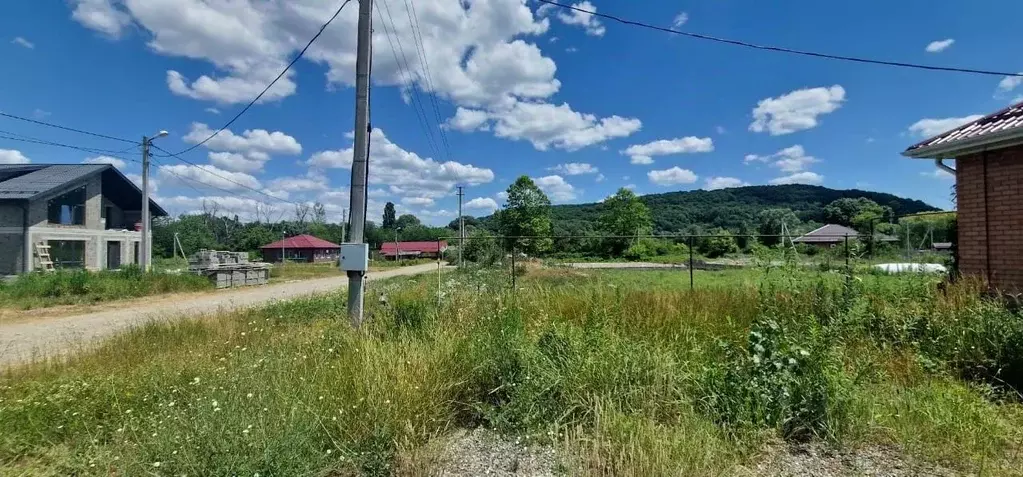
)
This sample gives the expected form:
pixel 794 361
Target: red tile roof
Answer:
pixel 1007 119
pixel 302 241
pixel 387 248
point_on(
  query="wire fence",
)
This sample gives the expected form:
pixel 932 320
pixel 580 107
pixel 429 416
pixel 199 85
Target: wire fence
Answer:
pixel 696 256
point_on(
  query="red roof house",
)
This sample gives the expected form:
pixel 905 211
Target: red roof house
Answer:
pixel 988 170
pixel 413 249
pixel 301 248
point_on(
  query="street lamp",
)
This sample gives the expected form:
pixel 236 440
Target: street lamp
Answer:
pixel 147 246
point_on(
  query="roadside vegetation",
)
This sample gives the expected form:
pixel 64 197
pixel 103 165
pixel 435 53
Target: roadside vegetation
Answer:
pixel 72 287
pixel 625 373
pixel 305 271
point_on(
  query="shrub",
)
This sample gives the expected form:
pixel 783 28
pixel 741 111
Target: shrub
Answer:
pixel 482 248
pixel 720 244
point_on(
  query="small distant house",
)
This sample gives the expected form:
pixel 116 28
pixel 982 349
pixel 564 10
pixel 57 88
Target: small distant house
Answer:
pixel 988 171
pixel 394 250
pixel 82 215
pixel 301 248
pixel 834 234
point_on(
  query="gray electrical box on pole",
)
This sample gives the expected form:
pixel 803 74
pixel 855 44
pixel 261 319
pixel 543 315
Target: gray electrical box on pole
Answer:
pixel 360 159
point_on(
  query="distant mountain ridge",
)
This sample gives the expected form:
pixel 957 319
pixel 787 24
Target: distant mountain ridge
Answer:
pixel 732 208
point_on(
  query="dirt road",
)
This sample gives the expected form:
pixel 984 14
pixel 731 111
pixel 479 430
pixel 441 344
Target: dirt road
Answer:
pixel 19 341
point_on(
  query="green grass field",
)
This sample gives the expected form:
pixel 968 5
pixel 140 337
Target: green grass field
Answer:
pixel 41 290
pixel 625 373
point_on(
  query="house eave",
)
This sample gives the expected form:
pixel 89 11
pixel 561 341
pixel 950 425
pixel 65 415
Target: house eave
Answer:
pixel 987 142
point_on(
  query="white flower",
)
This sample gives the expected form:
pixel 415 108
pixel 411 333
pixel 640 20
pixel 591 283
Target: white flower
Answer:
pixel 249 395
pixel 156 464
pixel 215 403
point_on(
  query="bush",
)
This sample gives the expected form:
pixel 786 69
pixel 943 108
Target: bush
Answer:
pixel 482 248
pixel 720 244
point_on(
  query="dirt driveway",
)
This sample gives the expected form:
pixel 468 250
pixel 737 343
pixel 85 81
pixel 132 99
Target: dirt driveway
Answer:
pixel 22 339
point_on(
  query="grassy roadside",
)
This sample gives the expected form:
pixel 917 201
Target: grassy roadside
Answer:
pixel 305 271
pixel 41 290
pixel 625 377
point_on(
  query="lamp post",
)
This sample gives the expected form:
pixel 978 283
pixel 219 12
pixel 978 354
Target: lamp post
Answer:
pixel 146 254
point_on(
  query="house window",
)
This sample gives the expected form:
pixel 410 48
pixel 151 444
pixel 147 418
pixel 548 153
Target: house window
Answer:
pixel 67 209
pixel 67 253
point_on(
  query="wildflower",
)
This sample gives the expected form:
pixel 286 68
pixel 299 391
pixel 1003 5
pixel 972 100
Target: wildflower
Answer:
pixel 249 395
pixel 156 464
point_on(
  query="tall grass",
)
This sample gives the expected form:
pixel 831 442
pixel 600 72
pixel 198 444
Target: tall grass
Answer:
pixel 623 379
pixel 40 290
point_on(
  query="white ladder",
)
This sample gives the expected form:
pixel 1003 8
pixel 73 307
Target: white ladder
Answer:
pixel 43 254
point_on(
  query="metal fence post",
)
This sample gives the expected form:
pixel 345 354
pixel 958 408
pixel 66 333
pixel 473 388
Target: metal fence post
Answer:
pixel 513 266
pixel 847 252
pixel 690 263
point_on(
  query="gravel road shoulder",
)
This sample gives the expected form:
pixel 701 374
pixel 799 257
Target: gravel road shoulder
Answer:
pixel 21 340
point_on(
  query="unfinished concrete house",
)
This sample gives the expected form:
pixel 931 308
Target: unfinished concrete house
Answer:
pixel 87 215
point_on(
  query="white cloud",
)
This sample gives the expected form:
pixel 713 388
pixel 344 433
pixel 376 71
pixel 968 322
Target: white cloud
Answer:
pixel 673 176
pixel 233 161
pixel 599 178
pixel 212 110
pixel 101 15
pixel 406 172
pixel 589 22
pixel 20 41
pixel 502 195
pixel 40 114
pixel 630 186
pixel 468 120
pixel 571 49
pixel 940 174
pixel 118 163
pixel 575 168
pixel 556 188
pixel 644 153
pixel 250 140
pixel 11 156
pixel 546 125
pixel 790 159
pixel 933 127
pixel 680 20
pixel 154 184
pixel 207 175
pixel 1009 83
pixel 939 46
pixel 417 201
pixel 720 129
pixel 482 203
pixel 713 183
pixel 299 184
pixel 475 49
pixel 811 178
pixel 795 111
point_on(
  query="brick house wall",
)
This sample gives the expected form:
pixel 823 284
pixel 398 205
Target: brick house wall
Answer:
pixel 989 194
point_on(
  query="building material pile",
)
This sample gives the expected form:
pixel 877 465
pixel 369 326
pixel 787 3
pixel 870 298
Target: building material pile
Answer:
pixel 229 269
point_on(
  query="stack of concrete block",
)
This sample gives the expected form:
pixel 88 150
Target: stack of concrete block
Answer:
pixel 229 269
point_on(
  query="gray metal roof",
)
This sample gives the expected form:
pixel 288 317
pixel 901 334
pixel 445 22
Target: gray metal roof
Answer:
pixel 28 181
pixel 1001 121
pixel 46 179
pixel 831 233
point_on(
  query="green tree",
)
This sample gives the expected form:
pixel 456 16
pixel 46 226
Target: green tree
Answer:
pixel 624 215
pixel 856 212
pixel 720 244
pixel 527 213
pixel 482 248
pixel 389 220
pixel 406 221
pixel 771 221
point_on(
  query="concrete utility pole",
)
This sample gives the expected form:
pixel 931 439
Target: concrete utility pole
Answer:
pixel 461 226
pixel 344 222
pixel 146 252
pixel 360 159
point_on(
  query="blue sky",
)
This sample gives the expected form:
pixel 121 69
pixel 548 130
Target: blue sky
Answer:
pixel 583 105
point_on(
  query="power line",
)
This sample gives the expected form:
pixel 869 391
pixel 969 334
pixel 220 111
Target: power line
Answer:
pixel 260 95
pixel 239 184
pixel 403 68
pixel 29 139
pixel 44 123
pixel 417 38
pixel 778 48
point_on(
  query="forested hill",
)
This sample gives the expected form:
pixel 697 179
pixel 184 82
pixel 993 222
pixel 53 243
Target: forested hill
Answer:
pixel 733 208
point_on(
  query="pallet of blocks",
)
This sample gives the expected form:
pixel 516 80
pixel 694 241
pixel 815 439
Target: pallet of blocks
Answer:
pixel 229 269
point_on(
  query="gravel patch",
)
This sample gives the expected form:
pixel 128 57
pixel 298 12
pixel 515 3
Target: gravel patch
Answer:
pixel 483 452
pixel 820 461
